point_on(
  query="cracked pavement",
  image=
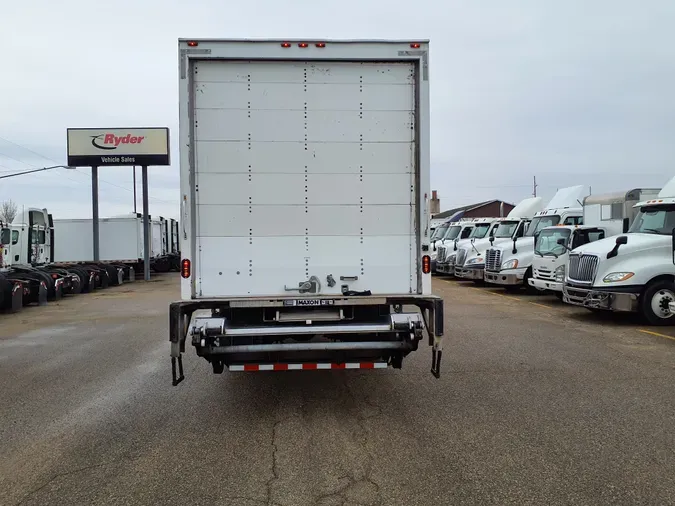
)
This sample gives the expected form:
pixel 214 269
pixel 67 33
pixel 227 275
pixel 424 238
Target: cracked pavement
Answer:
pixel 538 403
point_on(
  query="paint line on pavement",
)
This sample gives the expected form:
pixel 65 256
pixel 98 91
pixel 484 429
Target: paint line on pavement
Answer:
pixel 540 305
pixel 657 334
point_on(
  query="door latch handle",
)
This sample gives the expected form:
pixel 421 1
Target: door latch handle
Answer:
pixel 312 285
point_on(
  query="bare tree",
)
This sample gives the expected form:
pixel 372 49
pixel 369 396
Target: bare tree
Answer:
pixel 8 211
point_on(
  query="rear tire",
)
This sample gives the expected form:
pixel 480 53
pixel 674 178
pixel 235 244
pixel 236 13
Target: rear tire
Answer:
pixel 654 303
pixel 218 367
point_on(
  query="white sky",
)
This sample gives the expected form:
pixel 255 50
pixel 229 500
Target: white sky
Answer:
pixel 574 92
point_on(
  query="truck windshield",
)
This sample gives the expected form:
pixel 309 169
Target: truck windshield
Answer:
pixel 452 232
pixel 440 231
pixel 506 229
pixel 5 236
pixel 547 242
pixel 541 222
pixel 654 220
pixel 480 231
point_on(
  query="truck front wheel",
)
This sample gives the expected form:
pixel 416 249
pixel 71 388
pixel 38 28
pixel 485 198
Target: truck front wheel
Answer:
pixel 654 303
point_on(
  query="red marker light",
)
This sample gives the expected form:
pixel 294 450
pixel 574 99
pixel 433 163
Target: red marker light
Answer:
pixel 415 45
pixel 320 44
pixel 426 264
pixel 185 268
pixel 285 44
pixel 193 43
pixel 303 44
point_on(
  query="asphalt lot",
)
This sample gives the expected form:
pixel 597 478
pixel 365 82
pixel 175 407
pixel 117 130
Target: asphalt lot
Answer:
pixel 539 403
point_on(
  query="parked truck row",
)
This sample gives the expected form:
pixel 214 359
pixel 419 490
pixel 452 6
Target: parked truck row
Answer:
pixel 609 252
pixel 43 259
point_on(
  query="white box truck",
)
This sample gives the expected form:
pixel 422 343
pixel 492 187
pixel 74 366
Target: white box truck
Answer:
pixel 633 271
pixel 304 172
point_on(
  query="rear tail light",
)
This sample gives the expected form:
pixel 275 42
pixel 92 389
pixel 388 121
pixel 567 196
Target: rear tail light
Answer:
pixel 185 268
pixel 426 264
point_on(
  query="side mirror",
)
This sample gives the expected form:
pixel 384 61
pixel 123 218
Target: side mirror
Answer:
pixel 674 245
pixel 514 250
pixel 492 240
pixel 622 239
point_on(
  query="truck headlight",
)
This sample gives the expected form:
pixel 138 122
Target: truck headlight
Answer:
pixel 474 261
pixel 511 264
pixel 451 258
pixel 615 277
pixel 559 273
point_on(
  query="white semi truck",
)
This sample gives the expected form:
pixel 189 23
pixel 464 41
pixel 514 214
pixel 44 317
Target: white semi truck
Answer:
pixel 470 258
pixel 451 231
pixel 476 228
pixel 603 216
pixel 304 175
pixel 510 265
pixel 632 271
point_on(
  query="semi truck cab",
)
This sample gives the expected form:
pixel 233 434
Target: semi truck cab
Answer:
pixel 510 265
pixel 633 271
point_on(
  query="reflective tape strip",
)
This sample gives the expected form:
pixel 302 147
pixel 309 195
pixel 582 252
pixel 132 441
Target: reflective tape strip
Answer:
pixel 308 366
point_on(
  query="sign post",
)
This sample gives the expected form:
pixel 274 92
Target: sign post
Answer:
pixel 103 147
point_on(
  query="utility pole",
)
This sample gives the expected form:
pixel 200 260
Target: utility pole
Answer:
pixel 534 187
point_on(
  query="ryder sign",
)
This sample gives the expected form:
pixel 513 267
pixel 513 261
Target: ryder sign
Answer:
pixel 98 147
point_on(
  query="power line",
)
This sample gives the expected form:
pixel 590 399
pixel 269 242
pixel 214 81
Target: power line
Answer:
pixel 77 170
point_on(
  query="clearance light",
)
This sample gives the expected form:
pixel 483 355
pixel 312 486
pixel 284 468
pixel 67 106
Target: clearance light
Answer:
pixel 320 44
pixel 415 45
pixel 185 268
pixel 193 43
pixel 303 44
pixel 426 264
pixel 285 44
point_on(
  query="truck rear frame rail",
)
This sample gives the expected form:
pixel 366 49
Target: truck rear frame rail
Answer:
pixel 275 334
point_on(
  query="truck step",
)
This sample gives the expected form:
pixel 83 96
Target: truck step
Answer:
pixel 308 366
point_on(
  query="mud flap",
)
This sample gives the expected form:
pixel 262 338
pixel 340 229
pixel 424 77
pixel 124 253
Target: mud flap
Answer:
pixel 17 297
pixel 42 294
pixel 132 275
pixel 437 350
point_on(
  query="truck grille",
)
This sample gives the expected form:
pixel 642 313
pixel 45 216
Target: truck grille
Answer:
pixel 461 257
pixel 544 273
pixel 583 268
pixel 440 257
pixel 493 259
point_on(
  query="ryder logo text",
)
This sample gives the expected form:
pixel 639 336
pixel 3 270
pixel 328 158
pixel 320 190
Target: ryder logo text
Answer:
pixel 111 141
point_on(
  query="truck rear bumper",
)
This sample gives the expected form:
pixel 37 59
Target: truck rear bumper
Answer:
pixel 544 284
pixel 470 272
pixel 600 299
pixel 219 333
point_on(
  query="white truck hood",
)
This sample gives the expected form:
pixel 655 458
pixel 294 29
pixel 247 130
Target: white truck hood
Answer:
pixel 482 245
pixel 525 251
pixel 645 255
pixel 636 242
